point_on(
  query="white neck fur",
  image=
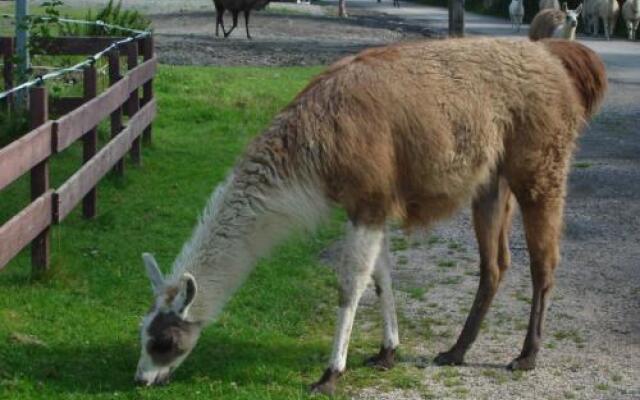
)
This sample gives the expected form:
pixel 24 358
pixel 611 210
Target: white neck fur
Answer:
pixel 242 222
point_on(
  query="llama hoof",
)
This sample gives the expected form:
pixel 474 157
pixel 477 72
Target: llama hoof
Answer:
pixel 522 364
pixel 449 358
pixel 384 360
pixel 327 383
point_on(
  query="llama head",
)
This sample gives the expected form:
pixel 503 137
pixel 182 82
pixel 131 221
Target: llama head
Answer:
pixel 167 336
pixel 571 18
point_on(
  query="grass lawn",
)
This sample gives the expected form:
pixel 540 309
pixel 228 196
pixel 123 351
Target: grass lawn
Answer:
pixel 74 333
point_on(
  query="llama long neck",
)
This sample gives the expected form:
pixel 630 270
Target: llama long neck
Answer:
pixel 250 213
pixel 569 32
pixel 565 31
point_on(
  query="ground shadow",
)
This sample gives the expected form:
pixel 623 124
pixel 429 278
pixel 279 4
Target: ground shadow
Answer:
pixel 99 369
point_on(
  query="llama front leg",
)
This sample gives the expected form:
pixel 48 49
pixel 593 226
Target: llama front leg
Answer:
pixel 385 359
pixel 219 21
pixel 612 26
pixel 362 247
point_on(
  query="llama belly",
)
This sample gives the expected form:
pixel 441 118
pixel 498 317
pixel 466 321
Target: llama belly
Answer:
pixel 442 195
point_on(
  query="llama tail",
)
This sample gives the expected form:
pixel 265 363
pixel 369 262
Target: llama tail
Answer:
pixel 585 68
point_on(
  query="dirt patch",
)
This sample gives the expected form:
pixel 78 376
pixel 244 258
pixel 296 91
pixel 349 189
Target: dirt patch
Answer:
pixel 279 39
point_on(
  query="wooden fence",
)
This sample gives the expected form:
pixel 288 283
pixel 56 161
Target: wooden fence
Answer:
pixel 80 117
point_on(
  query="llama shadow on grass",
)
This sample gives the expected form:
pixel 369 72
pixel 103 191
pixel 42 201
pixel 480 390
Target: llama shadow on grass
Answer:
pixel 109 368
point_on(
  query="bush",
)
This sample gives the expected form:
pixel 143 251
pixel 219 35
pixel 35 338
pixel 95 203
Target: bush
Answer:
pixel 111 14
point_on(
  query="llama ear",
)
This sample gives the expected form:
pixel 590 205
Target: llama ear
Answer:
pixel 153 271
pixel 579 9
pixel 564 7
pixel 188 290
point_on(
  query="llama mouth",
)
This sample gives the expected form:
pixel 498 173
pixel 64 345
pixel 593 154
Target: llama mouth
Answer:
pixel 160 379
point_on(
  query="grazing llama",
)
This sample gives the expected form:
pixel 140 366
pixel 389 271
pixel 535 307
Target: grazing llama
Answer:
pixel 608 11
pixel 516 14
pixel 631 17
pixel 235 6
pixel 543 4
pixel 555 23
pixel 409 132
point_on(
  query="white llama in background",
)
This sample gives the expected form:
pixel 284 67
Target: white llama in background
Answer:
pixel 631 17
pixel 608 11
pixel 516 14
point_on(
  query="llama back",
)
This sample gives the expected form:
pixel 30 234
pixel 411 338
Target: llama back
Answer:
pixel 393 129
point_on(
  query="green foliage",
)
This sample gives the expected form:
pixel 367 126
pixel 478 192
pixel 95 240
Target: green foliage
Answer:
pixel 12 125
pixel 114 15
pixel 111 14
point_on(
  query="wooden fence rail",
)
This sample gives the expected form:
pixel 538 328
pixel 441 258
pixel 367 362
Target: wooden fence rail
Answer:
pixel 31 152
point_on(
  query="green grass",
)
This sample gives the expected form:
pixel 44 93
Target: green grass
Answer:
pixel 399 243
pixel 571 334
pixel 417 293
pixel 446 263
pixel 74 333
pixel 582 165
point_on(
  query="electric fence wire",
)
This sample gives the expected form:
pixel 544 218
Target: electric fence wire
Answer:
pixel 91 60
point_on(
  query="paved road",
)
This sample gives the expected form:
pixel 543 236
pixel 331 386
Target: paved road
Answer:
pixel 621 56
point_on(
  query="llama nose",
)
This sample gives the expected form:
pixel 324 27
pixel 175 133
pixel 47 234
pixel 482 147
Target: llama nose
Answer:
pixel 574 23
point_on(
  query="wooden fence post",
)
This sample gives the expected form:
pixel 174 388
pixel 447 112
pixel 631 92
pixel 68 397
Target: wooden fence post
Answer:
pixel 147 90
pixel 39 114
pixel 89 139
pixel 456 18
pixel 133 105
pixel 7 69
pixel 116 116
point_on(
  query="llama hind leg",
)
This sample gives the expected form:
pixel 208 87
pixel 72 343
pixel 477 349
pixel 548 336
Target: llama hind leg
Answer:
pixel 543 224
pixel 362 248
pixel 492 222
pixel 385 359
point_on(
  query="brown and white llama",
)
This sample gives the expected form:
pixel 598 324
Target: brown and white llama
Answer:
pixel 552 23
pixel 410 132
